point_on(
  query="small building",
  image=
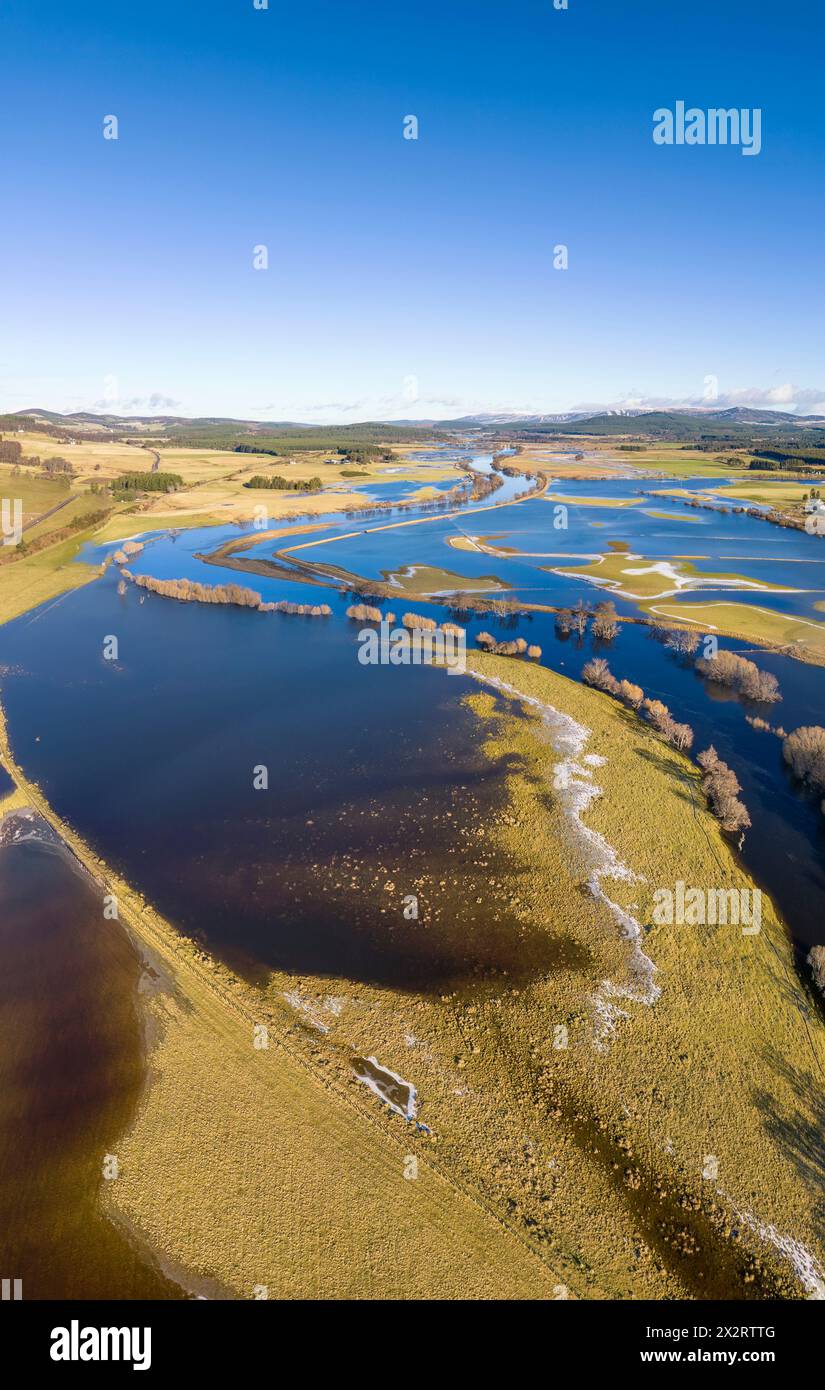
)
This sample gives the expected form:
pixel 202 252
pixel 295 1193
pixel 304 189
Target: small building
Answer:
pixel 815 506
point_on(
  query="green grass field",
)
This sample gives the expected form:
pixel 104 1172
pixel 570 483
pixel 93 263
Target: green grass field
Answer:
pixel 635 577
pixel 428 579
pixel 752 624
pixel 673 516
pixel 679 462
pixel 31 581
pixel 36 493
pixel 779 494
pixel 700 1071
pixel 213 494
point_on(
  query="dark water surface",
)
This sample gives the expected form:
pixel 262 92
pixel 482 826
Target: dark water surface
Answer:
pixel 72 1069
pixel 374 775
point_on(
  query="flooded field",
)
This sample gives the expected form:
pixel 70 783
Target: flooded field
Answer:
pixel 375 784
pixel 72 1070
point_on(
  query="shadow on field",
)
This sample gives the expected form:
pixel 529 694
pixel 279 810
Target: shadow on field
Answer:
pixel 799 1133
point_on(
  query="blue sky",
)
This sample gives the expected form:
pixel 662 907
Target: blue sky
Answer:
pixel 406 278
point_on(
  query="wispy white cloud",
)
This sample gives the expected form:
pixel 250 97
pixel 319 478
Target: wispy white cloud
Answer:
pixel 134 405
pixel 405 404
pixel 787 397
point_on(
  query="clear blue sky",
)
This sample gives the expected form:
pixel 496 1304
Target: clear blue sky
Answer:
pixel 127 266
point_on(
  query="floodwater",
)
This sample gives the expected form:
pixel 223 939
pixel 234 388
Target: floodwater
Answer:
pixel 152 756
pixel 72 1067
pixel 374 778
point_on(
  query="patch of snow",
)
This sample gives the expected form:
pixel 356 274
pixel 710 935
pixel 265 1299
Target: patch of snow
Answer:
pixel 576 792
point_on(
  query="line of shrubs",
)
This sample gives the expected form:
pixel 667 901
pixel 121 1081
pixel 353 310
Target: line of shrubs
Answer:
pixel 303 610
pixel 598 674
pixel 366 613
pixel 741 675
pixel 516 647
pixel 719 782
pixel 189 591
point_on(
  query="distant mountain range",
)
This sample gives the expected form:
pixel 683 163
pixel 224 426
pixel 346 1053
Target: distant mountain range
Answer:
pixel 91 417
pixel 706 422
pixel 738 414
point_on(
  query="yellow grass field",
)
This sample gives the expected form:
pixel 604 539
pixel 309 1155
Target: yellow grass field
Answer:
pixel 701 1071
pixel 214 491
pixel 617 502
pixel 673 516
pixel 90 459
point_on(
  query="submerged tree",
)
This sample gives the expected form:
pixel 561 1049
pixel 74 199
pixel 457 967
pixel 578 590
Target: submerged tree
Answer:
pixel 804 752
pixel 605 621
pixel 721 787
pixel 741 675
pixel 683 640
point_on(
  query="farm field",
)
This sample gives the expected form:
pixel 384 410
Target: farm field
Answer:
pixel 37 494
pixel 674 459
pixel 777 493
pixel 37 578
